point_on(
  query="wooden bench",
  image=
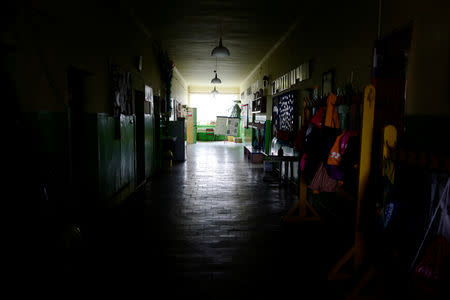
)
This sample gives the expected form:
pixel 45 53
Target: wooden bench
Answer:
pixel 254 155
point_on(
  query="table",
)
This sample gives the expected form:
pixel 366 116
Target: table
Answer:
pixel 254 155
pixel 287 160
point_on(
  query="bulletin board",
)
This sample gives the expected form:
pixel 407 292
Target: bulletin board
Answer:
pixel 221 125
pixel 232 126
pixel 227 126
pixel 283 115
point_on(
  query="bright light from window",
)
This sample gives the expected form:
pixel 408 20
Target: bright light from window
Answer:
pixel 209 106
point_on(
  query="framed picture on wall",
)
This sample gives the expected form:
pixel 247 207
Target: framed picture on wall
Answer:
pixel 245 115
pixel 327 83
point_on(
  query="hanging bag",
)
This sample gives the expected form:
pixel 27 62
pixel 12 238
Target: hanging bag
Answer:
pixel 322 182
pixel 431 272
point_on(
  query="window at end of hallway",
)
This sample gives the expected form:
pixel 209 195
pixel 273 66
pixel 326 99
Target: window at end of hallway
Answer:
pixel 209 106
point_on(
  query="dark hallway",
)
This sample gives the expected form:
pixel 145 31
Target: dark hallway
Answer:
pixel 222 239
pixel 227 149
pixel 203 234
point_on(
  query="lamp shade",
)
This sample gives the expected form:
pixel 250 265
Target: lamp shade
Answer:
pixel 220 51
pixel 216 80
pixel 214 91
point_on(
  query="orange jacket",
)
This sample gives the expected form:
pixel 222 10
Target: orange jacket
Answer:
pixel 334 158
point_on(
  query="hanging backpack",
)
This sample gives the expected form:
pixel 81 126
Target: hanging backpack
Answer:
pixel 318 119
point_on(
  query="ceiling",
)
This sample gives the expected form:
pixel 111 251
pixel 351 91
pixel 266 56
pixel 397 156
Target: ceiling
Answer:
pixel 189 30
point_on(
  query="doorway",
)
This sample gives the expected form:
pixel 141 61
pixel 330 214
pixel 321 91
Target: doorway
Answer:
pixel 77 91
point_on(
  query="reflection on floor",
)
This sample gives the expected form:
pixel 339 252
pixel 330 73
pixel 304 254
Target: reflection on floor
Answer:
pixel 211 227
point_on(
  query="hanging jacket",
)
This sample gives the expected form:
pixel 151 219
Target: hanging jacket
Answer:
pixel 331 118
pixel 343 111
pixel 312 157
pixel 335 154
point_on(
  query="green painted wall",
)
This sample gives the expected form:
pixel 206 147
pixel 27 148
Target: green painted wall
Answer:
pixel 48 39
pixel 108 157
pixel 108 163
pixel 127 150
pixel 247 136
pixel 150 167
pixel 203 137
pixel 116 158
pixel 268 137
pixel 44 148
pixel 108 166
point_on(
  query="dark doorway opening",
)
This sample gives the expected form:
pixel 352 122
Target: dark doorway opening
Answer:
pixel 77 81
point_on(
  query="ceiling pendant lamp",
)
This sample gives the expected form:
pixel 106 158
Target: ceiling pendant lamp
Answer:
pixel 220 51
pixel 214 91
pixel 216 80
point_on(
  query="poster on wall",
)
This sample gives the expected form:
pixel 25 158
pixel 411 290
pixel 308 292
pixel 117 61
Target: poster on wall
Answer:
pixel 221 125
pixel 245 115
pixel 122 91
pixel 232 126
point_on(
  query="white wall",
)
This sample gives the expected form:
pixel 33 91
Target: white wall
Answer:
pixel 179 88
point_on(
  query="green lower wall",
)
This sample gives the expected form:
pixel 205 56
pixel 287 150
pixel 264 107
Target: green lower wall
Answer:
pixel 127 150
pixel 149 123
pixel 45 152
pixel 108 157
pixel 267 137
pixel 247 139
pixel 201 136
pixel 113 158
pixel 105 174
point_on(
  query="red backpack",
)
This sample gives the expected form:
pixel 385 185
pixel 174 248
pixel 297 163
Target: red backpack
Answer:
pixel 318 118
